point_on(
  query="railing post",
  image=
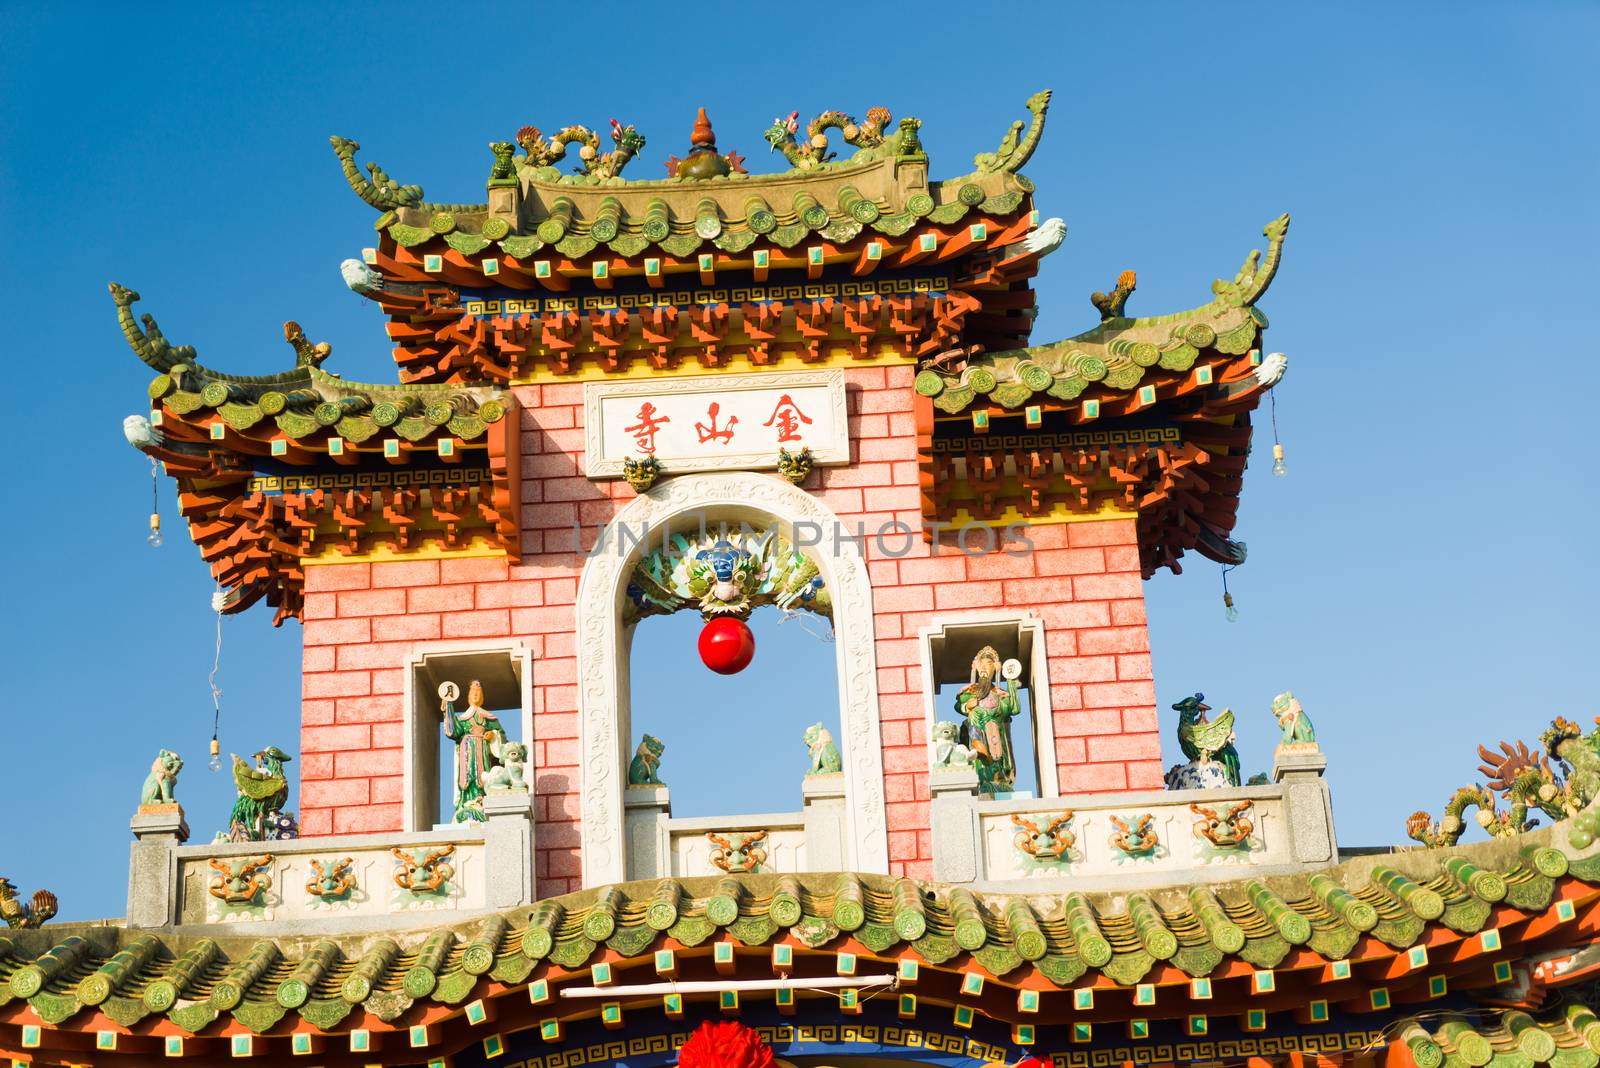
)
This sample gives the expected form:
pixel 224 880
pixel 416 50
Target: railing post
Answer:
pixel 646 810
pixel 158 831
pixel 825 822
pixel 956 849
pixel 508 848
pixel 1308 804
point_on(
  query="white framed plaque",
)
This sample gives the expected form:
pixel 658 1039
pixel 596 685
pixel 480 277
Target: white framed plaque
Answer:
pixel 715 422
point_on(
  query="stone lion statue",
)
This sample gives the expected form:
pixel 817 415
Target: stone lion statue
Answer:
pixel 163 778
pixel 642 770
pixel 825 758
pixel 510 773
pixel 948 752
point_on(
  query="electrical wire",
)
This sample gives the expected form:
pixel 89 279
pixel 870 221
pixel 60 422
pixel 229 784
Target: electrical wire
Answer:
pixel 216 666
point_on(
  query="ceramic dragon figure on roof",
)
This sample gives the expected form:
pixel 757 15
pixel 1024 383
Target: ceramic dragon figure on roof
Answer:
pixel 1560 781
pixel 34 912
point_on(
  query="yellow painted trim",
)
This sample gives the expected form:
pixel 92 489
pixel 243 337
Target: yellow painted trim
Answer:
pixel 1059 514
pixel 639 368
pixel 431 550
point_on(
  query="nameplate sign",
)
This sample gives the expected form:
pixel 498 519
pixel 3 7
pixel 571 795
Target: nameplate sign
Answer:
pixel 715 423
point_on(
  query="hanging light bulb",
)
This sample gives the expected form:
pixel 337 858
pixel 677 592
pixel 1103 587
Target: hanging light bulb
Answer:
pixel 155 538
pixel 1229 611
pixel 1279 468
pixel 215 764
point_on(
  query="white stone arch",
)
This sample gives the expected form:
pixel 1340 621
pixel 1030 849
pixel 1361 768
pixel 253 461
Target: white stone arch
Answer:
pixel 604 730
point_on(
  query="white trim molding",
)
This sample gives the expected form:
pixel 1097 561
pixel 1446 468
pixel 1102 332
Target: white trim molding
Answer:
pixel 1029 629
pixel 604 727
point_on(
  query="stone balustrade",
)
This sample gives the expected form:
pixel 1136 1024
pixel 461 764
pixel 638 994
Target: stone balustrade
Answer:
pixel 335 883
pixel 1124 841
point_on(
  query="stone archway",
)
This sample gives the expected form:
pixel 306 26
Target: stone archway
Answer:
pixel 603 703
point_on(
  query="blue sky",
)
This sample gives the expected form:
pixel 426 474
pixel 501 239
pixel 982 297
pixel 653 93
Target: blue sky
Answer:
pixel 1424 579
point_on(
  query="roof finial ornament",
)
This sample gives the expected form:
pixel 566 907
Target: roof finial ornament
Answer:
pixel 703 160
pixel 305 353
pixel 380 191
pixel 1111 304
pixel 542 152
pixel 1016 147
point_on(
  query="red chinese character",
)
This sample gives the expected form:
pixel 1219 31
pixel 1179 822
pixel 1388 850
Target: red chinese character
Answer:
pixel 711 433
pixel 788 417
pixel 645 430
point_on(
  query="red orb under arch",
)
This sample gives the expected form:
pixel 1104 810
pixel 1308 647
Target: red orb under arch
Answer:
pixel 727 646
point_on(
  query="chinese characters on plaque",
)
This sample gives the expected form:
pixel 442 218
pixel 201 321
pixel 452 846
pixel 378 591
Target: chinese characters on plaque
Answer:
pixel 723 422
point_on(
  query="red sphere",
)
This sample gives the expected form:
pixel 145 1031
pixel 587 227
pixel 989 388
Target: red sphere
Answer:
pixel 727 646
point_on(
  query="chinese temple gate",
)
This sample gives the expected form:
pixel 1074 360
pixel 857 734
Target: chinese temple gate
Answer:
pixel 817 391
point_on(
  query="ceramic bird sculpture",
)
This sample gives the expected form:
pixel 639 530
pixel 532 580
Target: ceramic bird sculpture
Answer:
pixel 1270 373
pixel 139 432
pixel 360 277
pixel 1046 237
pixel 263 791
pixel 1205 739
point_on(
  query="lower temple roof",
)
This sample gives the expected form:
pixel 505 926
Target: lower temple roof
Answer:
pixel 1388 933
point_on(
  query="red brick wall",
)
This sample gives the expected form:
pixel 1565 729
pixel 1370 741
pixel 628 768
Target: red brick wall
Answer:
pixel 362 619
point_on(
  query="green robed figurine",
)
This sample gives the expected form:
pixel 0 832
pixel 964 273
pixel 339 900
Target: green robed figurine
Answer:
pixel 987 707
pixel 479 737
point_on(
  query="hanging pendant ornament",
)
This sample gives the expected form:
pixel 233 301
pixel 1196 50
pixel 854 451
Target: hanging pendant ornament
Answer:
pixel 726 645
pixel 1229 612
pixel 155 538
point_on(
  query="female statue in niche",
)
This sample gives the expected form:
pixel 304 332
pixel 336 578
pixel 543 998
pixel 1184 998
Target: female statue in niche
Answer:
pixel 987 706
pixel 479 738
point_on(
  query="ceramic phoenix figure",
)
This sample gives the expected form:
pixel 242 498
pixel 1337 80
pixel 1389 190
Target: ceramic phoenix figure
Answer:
pixel 1205 740
pixel 261 791
pixel 479 737
pixel 987 707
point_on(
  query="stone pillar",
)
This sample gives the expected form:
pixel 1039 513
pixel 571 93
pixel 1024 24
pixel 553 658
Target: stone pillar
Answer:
pixel 1308 806
pixel 956 849
pixel 508 848
pixel 824 822
pixel 505 200
pixel 644 825
pixel 158 831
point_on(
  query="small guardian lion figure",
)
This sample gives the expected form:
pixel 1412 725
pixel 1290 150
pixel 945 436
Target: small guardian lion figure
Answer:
pixel 1293 721
pixel 825 758
pixel 510 774
pixel 646 759
pixel 948 752
pixel 163 778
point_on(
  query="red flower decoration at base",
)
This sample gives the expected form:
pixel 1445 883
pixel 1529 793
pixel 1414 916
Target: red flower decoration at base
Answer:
pixel 725 1044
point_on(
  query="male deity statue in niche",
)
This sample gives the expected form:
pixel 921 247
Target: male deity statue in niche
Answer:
pixel 480 746
pixel 987 705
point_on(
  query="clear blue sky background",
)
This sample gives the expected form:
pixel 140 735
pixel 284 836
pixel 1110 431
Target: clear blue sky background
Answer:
pixel 1424 579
